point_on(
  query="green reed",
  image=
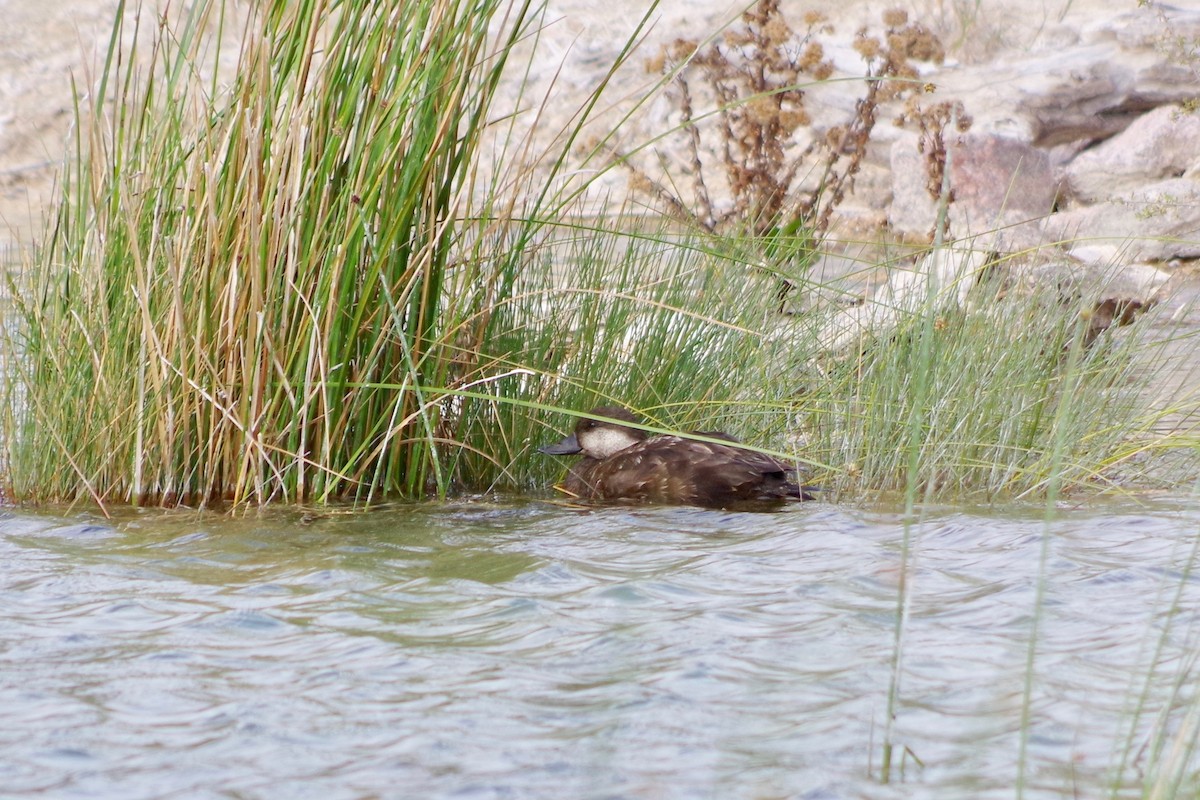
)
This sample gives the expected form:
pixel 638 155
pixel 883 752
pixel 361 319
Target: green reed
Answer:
pixel 601 315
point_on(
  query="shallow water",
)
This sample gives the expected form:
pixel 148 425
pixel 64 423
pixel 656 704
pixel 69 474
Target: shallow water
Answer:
pixel 525 650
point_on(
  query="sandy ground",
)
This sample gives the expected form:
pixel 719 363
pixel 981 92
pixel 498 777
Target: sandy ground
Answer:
pixel 46 45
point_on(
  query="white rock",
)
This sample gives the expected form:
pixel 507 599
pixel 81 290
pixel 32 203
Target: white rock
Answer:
pixel 941 279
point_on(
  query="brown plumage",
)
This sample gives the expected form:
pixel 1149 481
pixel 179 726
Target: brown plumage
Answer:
pixel 623 463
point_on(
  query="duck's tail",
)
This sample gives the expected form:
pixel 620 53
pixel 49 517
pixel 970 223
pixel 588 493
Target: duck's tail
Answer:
pixel 802 492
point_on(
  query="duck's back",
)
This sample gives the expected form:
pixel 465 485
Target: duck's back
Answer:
pixel 672 469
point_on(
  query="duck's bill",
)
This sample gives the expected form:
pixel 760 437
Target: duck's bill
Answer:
pixel 567 447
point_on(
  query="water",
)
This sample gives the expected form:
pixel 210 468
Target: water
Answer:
pixel 524 650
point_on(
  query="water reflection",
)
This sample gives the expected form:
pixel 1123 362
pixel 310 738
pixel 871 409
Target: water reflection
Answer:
pixel 527 650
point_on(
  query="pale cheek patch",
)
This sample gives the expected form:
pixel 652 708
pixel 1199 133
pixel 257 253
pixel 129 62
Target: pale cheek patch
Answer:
pixel 603 442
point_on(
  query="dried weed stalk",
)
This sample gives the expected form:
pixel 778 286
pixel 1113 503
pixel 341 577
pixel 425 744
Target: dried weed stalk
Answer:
pixel 750 85
pixel 932 123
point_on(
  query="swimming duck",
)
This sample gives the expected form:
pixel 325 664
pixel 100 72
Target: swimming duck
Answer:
pixel 624 463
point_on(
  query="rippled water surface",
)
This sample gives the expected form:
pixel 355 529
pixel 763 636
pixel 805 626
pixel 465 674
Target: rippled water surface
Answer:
pixel 525 650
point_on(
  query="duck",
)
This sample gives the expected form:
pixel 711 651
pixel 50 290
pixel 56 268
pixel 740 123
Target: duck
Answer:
pixel 625 463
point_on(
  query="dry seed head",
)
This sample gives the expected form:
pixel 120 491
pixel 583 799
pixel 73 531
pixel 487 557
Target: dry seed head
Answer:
pixel 713 58
pixel 739 38
pixel 779 61
pixel 766 8
pixel 916 41
pixel 792 119
pixel 776 30
pixel 895 17
pixel 639 183
pixel 762 110
pixel 682 49
pixel 925 45
pixel 657 63
pixel 791 97
pixel 893 90
pixel 814 18
pixel 867 46
pixel 811 57
pixel 911 111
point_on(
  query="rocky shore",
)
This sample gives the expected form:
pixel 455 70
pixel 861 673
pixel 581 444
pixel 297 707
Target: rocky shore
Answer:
pixel 1082 170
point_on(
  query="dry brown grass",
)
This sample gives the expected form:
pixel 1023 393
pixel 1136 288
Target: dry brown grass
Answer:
pixel 742 105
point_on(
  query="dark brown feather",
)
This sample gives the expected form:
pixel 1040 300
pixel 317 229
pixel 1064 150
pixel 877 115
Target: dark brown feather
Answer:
pixel 676 470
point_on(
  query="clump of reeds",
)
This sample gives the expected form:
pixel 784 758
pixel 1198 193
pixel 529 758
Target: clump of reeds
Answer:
pixel 666 324
pixel 989 394
pixel 294 288
pixel 991 397
pixel 244 292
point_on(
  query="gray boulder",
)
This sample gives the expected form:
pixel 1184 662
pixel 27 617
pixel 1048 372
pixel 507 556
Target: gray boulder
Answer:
pixel 1156 222
pixel 1164 143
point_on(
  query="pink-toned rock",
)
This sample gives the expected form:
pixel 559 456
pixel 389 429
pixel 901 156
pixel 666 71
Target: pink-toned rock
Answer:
pixel 1161 144
pixel 995 179
pixel 996 182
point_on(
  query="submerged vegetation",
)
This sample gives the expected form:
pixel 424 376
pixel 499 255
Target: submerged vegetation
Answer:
pixel 301 285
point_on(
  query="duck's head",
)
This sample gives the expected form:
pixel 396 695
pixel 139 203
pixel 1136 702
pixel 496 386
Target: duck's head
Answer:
pixel 599 438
